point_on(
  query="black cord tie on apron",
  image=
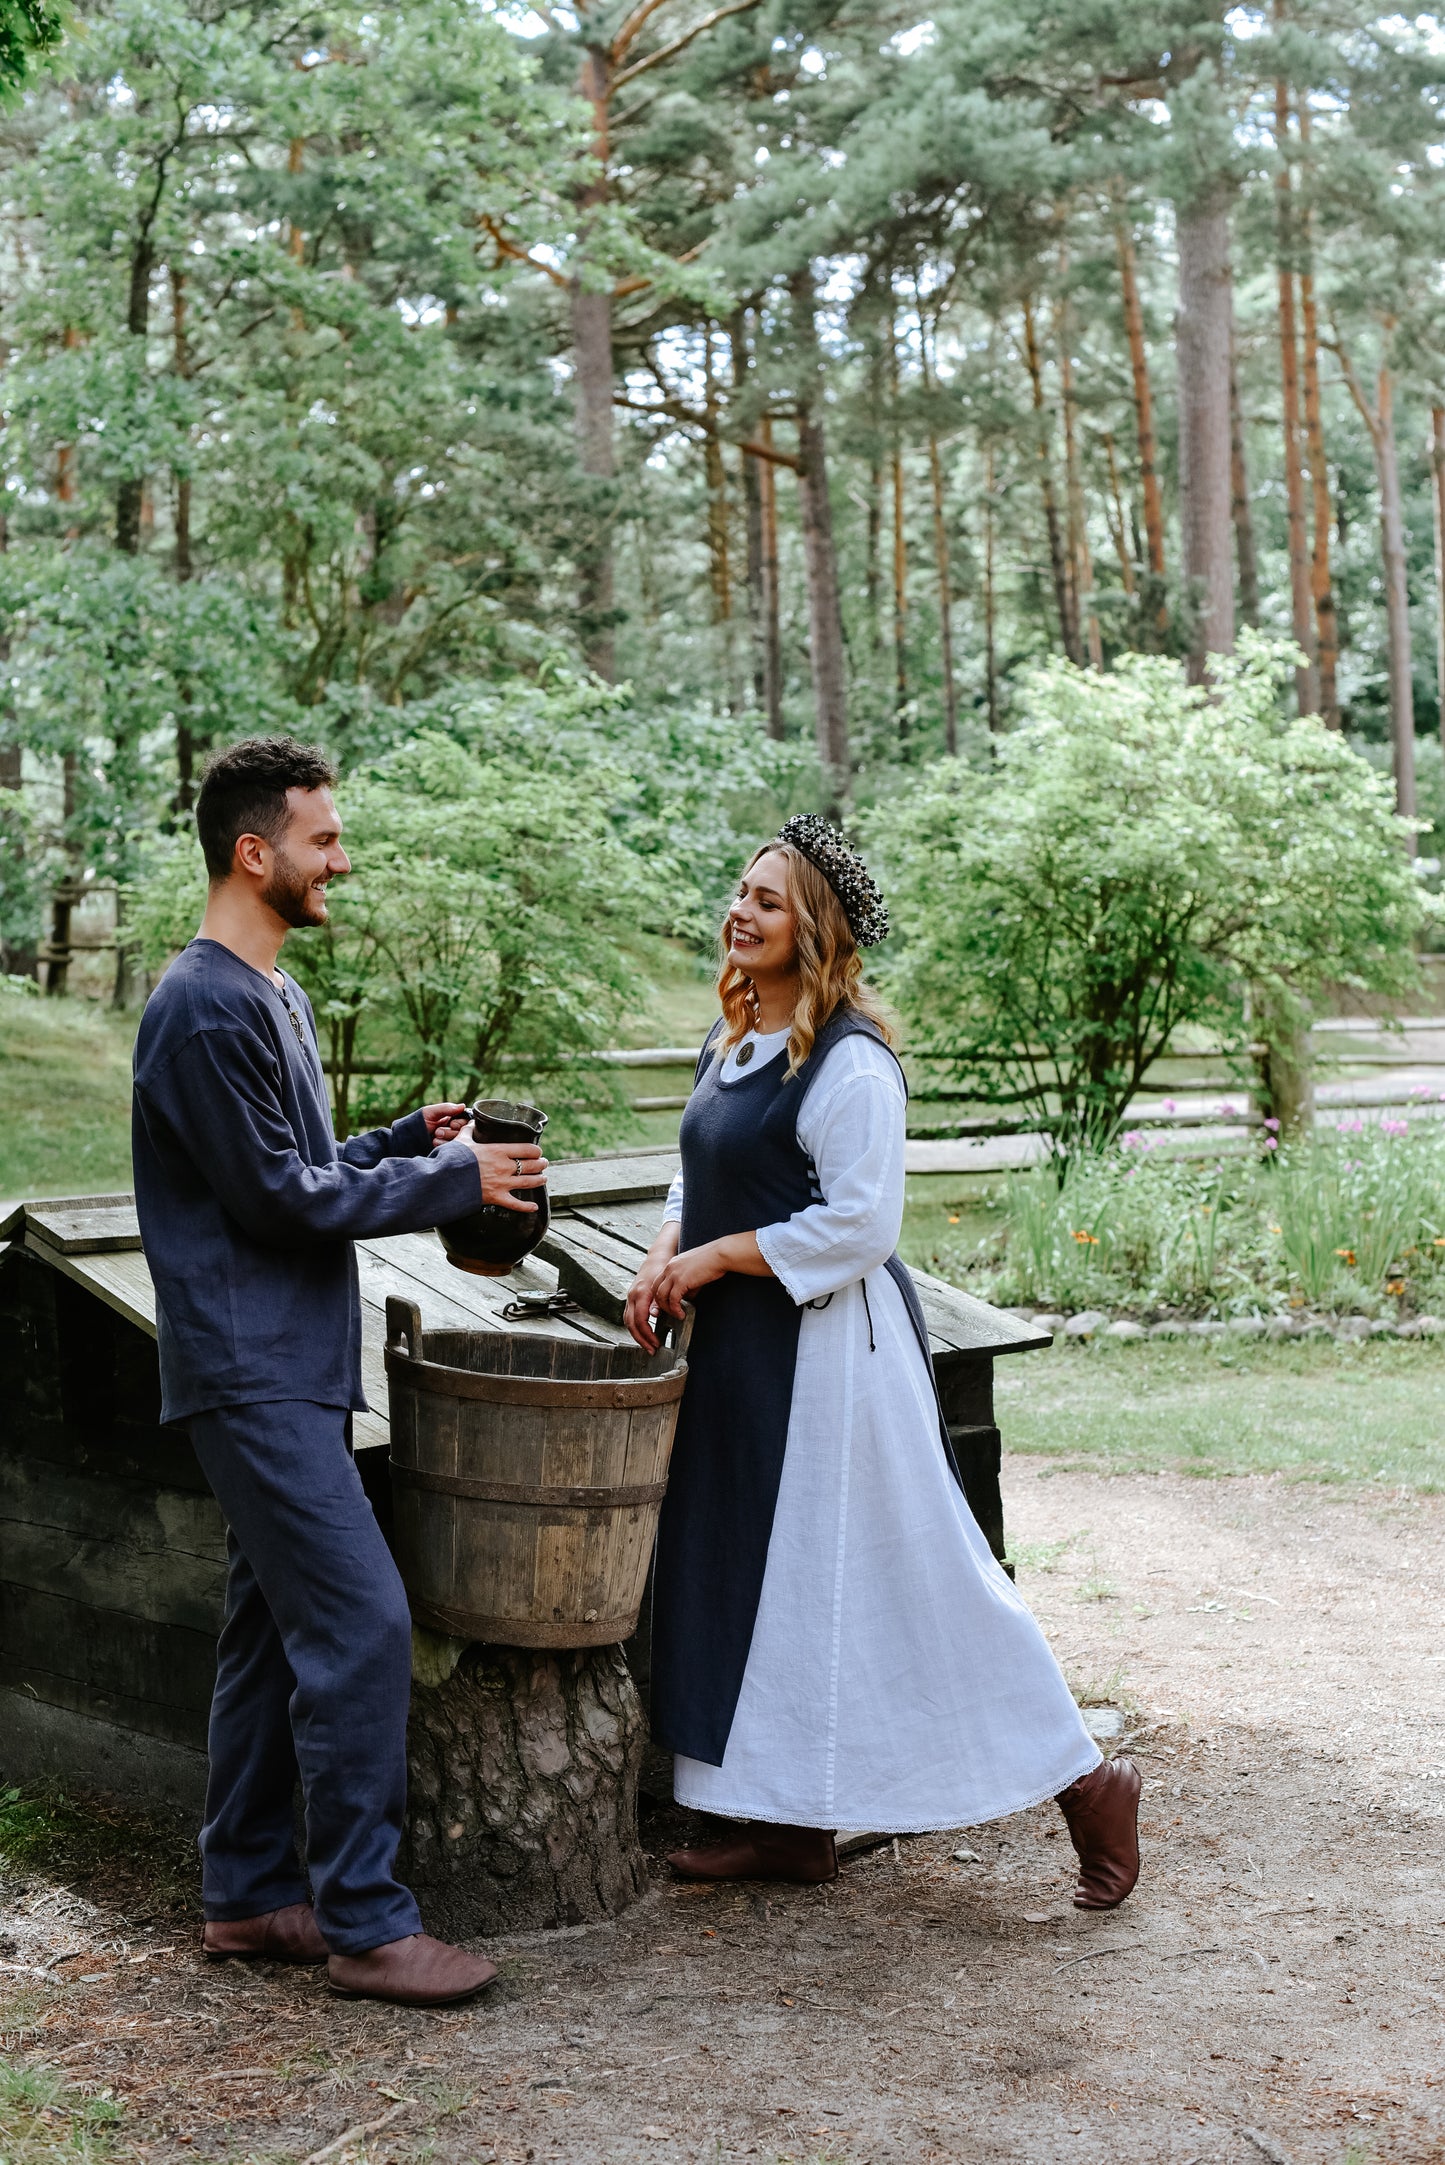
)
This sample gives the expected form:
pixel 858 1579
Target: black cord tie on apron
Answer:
pixel 863 1282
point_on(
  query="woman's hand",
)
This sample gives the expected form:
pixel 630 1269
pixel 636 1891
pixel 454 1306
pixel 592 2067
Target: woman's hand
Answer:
pixel 642 1294
pixel 694 1267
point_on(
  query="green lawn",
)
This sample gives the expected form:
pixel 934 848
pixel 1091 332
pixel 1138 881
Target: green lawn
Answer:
pixel 64 1097
pixel 1309 1411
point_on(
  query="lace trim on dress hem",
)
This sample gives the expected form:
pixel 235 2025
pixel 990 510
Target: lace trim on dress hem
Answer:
pixel 871 1826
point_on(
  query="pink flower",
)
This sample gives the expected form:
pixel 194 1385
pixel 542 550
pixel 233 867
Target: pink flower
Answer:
pixel 1271 1142
pixel 1394 1127
pixel 1273 1124
pixel 1171 1105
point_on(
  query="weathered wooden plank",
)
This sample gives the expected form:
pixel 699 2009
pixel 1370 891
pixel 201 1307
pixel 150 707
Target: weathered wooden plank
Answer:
pixel 13 1214
pixel 592 1181
pixel 964 1324
pixel 598 1279
pixel 87 1227
pixel 94 1504
pixel 104 1652
pixel 140 1716
pixel 635 1225
pixel 157 1583
pixel 420 1257
pixel 122 1281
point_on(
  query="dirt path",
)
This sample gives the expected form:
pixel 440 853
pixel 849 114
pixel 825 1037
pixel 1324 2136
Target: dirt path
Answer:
pixel 1275 1990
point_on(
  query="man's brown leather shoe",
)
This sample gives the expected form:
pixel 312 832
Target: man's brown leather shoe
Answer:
pixel 281 1935
pixel 414 1972
pixel 1101 1811
pixel 806 1855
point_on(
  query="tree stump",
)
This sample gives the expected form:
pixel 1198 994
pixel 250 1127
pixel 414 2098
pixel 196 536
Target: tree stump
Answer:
pixel 523 1769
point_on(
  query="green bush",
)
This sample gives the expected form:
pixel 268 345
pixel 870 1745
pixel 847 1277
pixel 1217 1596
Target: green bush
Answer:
pixel 1143 855
pixel 1352 1219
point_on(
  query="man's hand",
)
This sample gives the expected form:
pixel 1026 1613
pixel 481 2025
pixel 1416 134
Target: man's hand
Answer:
pixel 504 1166
pixel 444 1123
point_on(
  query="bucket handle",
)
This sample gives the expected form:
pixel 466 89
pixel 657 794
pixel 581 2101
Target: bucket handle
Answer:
pixel 678 1333
pixel 403 1326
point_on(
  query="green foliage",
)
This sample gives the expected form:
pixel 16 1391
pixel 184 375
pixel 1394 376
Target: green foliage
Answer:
pixel 1141 852
pixel 28 30
pixel 690 793
pixel 480 946
pixel 1350 1219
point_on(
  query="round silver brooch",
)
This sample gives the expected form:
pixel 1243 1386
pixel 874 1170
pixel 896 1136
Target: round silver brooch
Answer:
pixel 745 1053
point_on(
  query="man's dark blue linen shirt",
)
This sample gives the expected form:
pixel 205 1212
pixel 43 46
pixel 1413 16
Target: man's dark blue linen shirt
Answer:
pixel 247 1207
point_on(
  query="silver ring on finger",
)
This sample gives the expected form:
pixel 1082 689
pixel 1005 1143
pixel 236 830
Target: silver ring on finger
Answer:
pixel 518 1165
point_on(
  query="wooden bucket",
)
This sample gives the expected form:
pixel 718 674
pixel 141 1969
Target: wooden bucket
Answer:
pixel 527 1474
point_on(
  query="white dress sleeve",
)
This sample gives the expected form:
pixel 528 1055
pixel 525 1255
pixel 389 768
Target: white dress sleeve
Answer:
pixel 852 1125
pixel 673 1207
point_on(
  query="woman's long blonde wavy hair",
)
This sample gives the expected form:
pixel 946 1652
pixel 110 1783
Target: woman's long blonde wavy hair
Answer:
pixel 830 968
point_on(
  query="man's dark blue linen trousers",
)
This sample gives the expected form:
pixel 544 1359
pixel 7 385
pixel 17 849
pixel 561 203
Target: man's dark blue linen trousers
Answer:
pixel 247 1213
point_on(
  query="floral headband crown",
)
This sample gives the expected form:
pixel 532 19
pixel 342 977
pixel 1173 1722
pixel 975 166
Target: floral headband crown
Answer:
pixel 831 854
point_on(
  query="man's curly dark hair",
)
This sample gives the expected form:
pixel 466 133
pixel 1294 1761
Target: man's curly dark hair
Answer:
pixel 243 791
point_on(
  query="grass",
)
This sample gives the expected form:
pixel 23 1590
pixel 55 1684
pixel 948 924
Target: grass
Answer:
pixel 1372 1413
pixel 44 2122
pixel 64 1096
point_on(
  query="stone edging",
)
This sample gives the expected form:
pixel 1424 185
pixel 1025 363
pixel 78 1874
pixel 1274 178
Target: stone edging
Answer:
pixel 1094 1323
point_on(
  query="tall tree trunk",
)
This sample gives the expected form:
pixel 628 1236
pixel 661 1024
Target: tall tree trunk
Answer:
pixel 873 546
pixel 1240 500
pixel 1058 559
pixel 130 496
pixel 990 648
pixel 1117 526
pixel 1081 562
pixel 945 599
pixel 1143 416
pixel 941 562
pixel 1302 617
pixel 752 505
pixel 1202 348
pixel 593 391
pixel 1437 467
pixel 719 552
pixel 1322 592
pixel 825 614
pixel 900 537
pixel 768 567
pixel 1379 419
pixel 186 745
pixel 1397 598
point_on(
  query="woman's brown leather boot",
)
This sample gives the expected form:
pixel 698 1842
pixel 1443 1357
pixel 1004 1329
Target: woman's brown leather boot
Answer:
pixel 1101 1811
pixel 806 1855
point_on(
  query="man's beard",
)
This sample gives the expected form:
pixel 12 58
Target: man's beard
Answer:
pixel 289 893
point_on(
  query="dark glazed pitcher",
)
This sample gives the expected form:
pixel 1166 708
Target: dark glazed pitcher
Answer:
pixel 491 1241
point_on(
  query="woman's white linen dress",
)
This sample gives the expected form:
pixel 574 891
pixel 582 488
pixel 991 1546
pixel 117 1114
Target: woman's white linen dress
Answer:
pixel 895 1681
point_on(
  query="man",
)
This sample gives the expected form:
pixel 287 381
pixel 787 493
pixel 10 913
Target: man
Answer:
pixel 247 1212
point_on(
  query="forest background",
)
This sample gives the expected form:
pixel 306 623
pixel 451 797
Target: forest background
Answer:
pixel 609 428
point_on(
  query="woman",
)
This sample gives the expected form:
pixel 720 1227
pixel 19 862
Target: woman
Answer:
pixel 834 1645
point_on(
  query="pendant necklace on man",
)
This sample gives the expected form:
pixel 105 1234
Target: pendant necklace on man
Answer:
pixel 291 1015
pixel 745 1053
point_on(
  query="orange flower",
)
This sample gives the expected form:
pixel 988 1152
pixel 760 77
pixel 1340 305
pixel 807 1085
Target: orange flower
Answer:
pixel 1087 1240
pixel 1348 1254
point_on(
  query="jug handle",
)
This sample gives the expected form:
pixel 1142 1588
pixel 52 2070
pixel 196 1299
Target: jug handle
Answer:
pixel 403 1326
